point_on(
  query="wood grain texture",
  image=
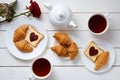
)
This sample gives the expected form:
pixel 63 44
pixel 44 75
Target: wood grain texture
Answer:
pixel 12 68
pixel 81 20
pixel 80 37
pixel 8 60
pixel 75 5
pixel 59 73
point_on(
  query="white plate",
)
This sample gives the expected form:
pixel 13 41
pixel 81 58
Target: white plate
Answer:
pixel 10 44
pixel 105 46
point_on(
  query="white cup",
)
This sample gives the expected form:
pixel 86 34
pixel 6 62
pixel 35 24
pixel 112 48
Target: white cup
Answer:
pixel 38 70
pixel 94 23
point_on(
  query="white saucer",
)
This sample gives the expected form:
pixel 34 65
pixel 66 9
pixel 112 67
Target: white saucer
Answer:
pixel 10 44
pixel 103 45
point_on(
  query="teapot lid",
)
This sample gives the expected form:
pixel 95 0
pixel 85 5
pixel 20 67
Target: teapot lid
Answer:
pixel 60 15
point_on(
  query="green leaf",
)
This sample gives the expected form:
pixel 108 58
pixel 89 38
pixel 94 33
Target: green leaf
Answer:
pixel 13 4
pixel 3 9
pixel 7 10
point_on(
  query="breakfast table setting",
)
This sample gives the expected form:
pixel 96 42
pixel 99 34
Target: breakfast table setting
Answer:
pixel 59 39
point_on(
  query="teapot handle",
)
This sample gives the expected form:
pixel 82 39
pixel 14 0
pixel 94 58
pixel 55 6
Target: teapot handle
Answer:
pixel 48 6
pixel 72 24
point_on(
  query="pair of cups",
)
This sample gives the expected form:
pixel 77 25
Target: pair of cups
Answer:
pixel 41 69
pixel 98 23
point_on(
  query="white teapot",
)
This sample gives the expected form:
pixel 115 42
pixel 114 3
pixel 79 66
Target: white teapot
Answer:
pixel 60 15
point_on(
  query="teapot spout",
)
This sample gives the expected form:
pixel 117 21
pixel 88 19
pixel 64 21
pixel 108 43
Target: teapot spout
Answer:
pixel 48 6
pixel 72 24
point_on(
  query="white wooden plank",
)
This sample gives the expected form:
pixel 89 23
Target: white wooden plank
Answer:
pixel 8 60
pixel 55 60
pixel 82 9
pixel 117 53
pixel 77 73
pixel 80 37
pixel 81 19
pixel 75 5
pixel 14 73
pixel 2 39
pixel 59 73
pixel 114 21
pixel 89 6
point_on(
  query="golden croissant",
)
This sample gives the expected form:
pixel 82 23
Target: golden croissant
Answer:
pixel 60 51
pixel 24 46
pixel 62 38
pixel 20 32
pixel 73 50
pixel 101 60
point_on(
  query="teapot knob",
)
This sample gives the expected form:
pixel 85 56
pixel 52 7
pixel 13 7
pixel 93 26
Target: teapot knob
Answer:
pixel 48 6
pixel 60 15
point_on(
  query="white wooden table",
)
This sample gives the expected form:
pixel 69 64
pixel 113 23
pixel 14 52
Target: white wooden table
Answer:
pixel 12 68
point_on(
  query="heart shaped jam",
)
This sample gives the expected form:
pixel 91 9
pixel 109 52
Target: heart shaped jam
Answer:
pixel 33 36
pixel 93 51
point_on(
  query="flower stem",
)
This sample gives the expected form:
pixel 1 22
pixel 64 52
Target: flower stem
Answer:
pixel 3 21
pixel 21 14
pixel 16 16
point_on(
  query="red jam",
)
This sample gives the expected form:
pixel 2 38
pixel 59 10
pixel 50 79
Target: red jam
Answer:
pixel 33 37
pixel 93 51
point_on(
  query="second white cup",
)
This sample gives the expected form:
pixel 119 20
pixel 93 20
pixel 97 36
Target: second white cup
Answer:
pixel 98 24
pixel 41 68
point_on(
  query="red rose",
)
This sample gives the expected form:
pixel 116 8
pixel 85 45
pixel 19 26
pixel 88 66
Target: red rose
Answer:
pixel 35 9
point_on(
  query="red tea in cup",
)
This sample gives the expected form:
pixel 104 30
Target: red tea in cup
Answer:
pixel 41 67
pixel 97 23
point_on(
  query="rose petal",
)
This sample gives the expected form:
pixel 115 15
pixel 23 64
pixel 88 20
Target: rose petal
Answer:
pixel 35 9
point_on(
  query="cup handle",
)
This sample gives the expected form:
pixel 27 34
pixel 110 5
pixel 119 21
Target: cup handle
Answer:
pixel 107 14
pixel 31 77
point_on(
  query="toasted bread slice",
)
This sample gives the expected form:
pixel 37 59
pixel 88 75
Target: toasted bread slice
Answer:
pixel 93 51
pixel 33 36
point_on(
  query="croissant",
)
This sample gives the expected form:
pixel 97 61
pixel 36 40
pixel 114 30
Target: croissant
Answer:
pixel 62 38
pixel 20 32
pixel 60 51
pixel 73 51
pixel 101 60
pixel 24 46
